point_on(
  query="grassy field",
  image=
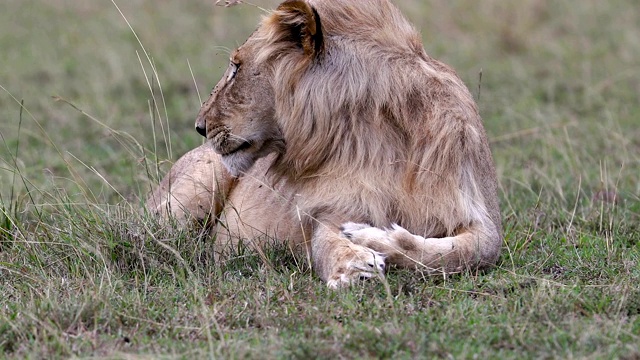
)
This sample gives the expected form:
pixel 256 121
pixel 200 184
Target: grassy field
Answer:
pixel 105 110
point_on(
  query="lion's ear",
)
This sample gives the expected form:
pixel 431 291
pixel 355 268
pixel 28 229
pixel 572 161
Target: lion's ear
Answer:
pixel 301 24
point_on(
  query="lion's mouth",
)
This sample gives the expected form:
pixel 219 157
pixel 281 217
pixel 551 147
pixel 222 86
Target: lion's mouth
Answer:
pixel 241 158
pixel 243 146
pixel 226 144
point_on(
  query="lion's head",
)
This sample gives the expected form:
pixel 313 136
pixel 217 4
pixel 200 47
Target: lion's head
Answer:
pixel 239 118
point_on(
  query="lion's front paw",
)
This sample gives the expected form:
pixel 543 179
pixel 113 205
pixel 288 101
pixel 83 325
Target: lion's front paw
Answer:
pixel 356 263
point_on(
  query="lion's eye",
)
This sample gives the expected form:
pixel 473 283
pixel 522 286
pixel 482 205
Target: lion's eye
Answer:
pixel 233 70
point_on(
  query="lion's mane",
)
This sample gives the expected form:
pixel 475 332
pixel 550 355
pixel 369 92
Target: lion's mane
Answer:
pixel 363 108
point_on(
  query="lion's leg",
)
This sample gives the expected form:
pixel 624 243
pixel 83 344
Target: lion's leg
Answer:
pixel 259 213
pixel 470 248
pixel 339 261
pixel 195 188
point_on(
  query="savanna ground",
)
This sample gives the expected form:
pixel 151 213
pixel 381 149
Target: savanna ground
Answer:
pixel 83 274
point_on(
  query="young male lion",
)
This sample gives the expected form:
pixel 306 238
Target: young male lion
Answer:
pixel 334 130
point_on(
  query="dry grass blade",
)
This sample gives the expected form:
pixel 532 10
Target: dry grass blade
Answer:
pixel 228 3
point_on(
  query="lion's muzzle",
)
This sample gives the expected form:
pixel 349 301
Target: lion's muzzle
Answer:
pixel 225 143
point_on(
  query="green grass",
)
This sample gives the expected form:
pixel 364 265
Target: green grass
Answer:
pixel 83 274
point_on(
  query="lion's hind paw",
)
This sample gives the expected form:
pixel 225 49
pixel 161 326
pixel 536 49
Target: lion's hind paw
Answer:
pixel 367 235
pixel 359 233
pixel 347 229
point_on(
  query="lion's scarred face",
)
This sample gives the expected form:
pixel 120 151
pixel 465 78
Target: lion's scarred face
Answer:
pixel 239 118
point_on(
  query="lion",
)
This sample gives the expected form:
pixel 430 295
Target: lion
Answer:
pixel 332 130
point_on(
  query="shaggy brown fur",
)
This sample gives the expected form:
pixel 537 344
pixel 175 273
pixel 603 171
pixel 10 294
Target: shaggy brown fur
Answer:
pixel 337 131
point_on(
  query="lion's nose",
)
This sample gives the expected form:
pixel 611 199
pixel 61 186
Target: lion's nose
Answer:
pixel 202 130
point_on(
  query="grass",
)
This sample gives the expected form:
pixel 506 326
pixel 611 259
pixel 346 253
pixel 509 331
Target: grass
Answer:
pixel 83 274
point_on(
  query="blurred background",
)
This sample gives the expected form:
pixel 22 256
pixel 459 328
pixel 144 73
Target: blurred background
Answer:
pixel 557 82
